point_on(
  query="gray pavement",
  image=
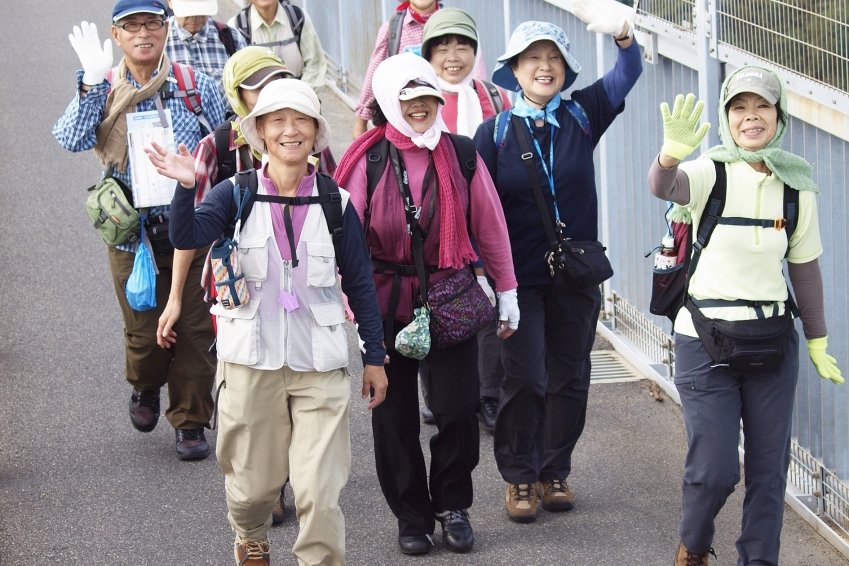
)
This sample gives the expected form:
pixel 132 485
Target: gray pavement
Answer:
pixel 78 485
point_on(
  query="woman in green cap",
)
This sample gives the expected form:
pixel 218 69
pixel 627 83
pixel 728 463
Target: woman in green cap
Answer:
pixel 739 282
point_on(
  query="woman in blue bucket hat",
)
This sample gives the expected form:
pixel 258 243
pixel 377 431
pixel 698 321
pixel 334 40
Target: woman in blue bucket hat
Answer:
pixel 543 397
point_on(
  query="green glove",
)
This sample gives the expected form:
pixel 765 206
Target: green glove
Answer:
pixel 680 136
pixel 826 365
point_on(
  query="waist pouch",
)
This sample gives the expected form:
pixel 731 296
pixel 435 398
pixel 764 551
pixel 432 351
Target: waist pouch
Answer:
pixel 156 228
pixel 744 345
pixel 579 264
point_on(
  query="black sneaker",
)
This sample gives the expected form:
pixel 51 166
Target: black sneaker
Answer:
pixel 415 544
pixel 456 530
pixel 427 415
pixel 487 411
pixel 191 444
pixel 144 409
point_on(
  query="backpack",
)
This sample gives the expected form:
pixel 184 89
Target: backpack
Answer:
pixel 502 121
pixel 227 157
pixel 328 196
pixel 377 154
pixel 296 22
pixel 670 286
pixel 186 89
pixel 396 25
pixel 225 34
pixel 492 93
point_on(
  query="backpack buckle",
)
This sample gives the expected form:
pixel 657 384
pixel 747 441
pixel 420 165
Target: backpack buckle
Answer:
pixel 779 223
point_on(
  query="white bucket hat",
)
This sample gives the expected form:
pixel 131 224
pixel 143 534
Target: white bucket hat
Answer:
pixel 286 93
pixel 525 34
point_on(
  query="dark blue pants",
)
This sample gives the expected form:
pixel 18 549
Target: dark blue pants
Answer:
pixel 543 402
pixel 455 448
pixel 714 400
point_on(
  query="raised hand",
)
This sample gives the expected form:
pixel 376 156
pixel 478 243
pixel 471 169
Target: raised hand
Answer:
pixel 178 166
pixel 682 133
pixel 95 58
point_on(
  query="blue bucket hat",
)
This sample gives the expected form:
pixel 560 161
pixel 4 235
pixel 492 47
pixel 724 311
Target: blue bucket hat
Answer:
pixel 124 8
pixel 523 36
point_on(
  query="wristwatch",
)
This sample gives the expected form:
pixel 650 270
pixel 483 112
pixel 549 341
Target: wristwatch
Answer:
pixel 628 34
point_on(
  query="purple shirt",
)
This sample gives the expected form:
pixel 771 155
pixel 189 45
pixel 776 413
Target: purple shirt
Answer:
pixel 299 213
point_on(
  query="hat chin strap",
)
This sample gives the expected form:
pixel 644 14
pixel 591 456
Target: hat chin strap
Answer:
pixel 534 102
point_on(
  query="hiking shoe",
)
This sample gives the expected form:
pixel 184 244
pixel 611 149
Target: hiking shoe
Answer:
pixel 487 411
pixel 279 510
pixel 686 558
pixel 556 495
pixel 427 415
pixel 456 530
pixel 252 552
pixel 191 444
pixel 521 502
pixel 144 409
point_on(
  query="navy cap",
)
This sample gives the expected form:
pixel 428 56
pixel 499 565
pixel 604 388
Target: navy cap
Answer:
pixel 124 8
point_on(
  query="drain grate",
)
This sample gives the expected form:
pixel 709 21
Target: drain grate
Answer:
pixel 609 367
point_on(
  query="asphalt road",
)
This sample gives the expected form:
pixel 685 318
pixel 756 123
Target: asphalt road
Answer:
pixel 78 485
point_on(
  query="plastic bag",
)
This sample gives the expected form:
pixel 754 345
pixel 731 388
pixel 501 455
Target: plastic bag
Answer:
pixel 141 286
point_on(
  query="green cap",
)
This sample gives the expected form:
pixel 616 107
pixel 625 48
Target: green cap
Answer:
pixel 448 21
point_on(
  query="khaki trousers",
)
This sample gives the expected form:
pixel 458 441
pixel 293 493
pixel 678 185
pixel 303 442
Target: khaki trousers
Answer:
pixel 275 424
pixel 188 368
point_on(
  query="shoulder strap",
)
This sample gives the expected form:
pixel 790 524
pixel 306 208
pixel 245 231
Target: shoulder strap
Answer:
pixel 246 182
pixel 243 23
pixel 396 25
pixel 580 115
pixel 791 213
pixel 226 158
pixel 187 90
pixel 225 34
pixel 376 164
pixel 296 19
pixel 332 209
pixel 502 122
pixel 710 218
pixel 492 93
pixel 467 154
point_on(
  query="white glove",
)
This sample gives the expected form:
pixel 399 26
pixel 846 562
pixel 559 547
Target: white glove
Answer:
pixel 490 294
pixel 604 16
pixel 508 308
pixel 95 59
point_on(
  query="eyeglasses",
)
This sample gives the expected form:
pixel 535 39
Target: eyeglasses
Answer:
pixel 150 25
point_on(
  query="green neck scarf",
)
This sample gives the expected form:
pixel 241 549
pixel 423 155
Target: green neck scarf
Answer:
pixel 788 167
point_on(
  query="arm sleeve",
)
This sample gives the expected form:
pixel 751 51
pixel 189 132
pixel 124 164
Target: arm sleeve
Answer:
pixel 619 80
pixel 191 228
pixel 206 166
pixel 806 279
pixel 358 286
pixel 76 129
pixel 315 62
pixel 381 50
pixel 669 184
pixel 490 229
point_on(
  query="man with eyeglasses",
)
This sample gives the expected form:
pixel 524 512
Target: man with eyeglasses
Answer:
pixel 194 38
pixel 97 118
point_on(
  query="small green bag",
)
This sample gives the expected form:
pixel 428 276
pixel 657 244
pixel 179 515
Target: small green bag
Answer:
pixel 110 208
pixel 413 341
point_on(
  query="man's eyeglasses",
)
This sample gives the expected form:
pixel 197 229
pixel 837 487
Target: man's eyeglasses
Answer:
pixel 150 25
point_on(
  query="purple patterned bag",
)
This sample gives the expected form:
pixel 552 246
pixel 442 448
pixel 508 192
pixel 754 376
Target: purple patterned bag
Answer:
pixel 458 309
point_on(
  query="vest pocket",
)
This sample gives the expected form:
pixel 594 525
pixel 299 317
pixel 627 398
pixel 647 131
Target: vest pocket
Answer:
pixel 321 265
pixel 329 339
pixel 253 257
pixel 238 336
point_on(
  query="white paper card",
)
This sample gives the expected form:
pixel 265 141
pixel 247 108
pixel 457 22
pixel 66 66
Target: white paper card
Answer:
pixel 149 187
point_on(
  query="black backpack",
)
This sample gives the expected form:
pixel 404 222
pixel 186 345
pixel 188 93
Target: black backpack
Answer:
pixel 377 154
pixel 227 157
pixel 296 21
pixel 670 286
pixel 328 197
pixel 225 34
pixel 396 24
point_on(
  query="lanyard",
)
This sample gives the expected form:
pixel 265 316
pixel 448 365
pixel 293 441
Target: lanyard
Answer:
pixel 548 168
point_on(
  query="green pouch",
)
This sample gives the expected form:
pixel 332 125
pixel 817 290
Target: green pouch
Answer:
pixel 413 341
pixel 110 208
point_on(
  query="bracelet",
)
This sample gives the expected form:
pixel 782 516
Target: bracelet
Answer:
pixel 628 35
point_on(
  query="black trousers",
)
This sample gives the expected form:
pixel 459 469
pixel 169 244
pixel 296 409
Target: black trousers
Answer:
pixel 455 448
pixel 543 402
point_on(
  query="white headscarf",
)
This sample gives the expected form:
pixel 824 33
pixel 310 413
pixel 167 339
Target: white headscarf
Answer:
pixel 389 78
pixel 469 111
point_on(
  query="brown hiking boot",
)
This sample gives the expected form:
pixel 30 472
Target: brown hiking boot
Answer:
pixel 279 510
pixel 521 502
pixel 556 495
pixel 686 558
pixel 252 552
